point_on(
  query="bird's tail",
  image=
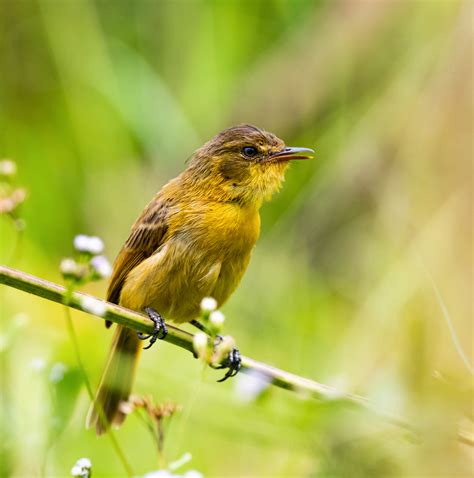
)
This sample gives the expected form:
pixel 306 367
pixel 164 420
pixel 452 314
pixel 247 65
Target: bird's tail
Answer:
pixel 116 382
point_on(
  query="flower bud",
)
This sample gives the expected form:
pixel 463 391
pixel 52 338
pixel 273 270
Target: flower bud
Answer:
pixel 101 266
pixel 68 267
pixel 217 318
pixel 208 304
pixel 200 343
pixel 90 244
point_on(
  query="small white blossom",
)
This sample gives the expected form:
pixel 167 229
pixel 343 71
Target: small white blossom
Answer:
pixel 91 244
pixel 68 266
pixel 217 318
pixel 248 386
pixel 208 304
pixel 82 468
pixel 93 305
pixel 57 372
pixel 7 167
pixel 102 266
pixel 200 344
pixel 37 364
pixel 71 269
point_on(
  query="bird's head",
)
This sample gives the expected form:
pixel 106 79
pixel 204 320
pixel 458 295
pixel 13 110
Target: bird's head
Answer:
pixel 244 164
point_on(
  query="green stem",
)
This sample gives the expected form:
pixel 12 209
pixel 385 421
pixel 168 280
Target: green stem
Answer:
pixel 73 337
pixel 134 320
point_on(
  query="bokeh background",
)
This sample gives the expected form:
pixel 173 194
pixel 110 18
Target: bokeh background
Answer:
pixel 364 264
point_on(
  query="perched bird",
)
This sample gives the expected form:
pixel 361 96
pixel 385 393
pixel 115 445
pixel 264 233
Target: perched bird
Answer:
pixel 193 240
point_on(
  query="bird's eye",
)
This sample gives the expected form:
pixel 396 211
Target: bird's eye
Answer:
pixel 250 151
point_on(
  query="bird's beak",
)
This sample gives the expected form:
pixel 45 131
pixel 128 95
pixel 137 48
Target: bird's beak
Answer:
pixel 289 154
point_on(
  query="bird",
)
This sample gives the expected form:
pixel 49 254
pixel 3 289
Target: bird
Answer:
pixel 193 240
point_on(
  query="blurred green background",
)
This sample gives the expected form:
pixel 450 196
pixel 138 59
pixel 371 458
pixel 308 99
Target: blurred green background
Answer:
pixel 363 256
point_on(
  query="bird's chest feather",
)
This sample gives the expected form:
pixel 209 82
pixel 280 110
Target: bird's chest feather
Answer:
pixel 214 244
pixel 222 230
pixel 205 253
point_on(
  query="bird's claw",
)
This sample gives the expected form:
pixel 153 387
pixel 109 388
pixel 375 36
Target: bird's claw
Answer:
pixel 160 331
pixel 233 362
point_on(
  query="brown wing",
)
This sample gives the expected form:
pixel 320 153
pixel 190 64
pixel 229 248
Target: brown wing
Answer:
pixel 145 238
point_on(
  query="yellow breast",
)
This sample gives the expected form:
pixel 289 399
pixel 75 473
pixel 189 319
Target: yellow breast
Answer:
pixel 205 253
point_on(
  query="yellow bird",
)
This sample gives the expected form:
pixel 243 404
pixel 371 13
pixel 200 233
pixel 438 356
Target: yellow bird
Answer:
pixel 193 240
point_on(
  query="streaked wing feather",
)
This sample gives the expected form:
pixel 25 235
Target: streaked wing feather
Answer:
pixel 145 238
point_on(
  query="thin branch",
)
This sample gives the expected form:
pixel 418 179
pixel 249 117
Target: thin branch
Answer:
pixel 128 318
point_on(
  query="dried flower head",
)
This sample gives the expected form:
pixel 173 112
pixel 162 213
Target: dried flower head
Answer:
pixel 156 411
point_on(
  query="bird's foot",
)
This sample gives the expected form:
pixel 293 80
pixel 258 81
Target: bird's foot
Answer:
pixel 160 331
pixel 232 363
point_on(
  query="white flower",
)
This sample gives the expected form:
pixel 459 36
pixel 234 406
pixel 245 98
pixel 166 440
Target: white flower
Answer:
pixel 102 266
pixel 91 244
pixel 82 468
pixel 57 372
pixel 200 344
pixel 7 167
pixel 37 364
pixel 217 318
pixel 93 305
pixel 208 304
pixel 248 386
pixel 68 266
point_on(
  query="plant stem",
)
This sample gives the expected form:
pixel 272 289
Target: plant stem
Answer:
pixel 73 337
pixel 134 320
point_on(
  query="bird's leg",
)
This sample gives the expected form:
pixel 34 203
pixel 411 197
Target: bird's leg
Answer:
pixel 160 330
pixel 200 326
pixel 233 361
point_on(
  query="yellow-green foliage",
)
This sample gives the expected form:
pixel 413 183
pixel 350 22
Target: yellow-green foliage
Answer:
pixel 362 256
